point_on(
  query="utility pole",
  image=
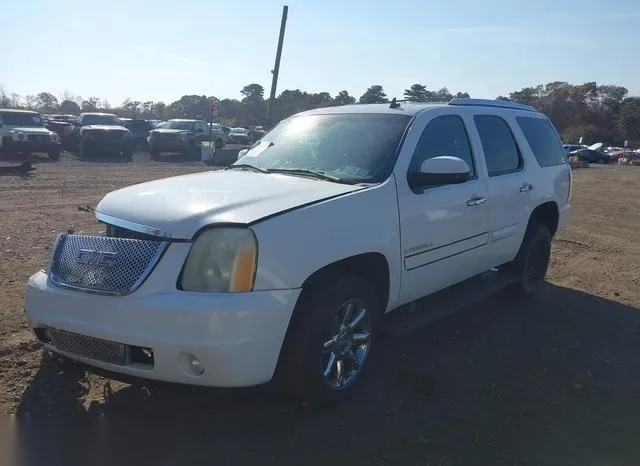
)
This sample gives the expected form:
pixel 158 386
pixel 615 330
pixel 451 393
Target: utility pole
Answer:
pixel 276 68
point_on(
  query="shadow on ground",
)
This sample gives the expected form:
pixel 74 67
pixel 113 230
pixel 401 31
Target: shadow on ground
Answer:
pixel 549 381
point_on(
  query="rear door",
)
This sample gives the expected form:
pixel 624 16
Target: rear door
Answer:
pixel 508 185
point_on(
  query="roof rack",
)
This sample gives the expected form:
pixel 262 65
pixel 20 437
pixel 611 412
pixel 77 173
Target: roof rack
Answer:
pixel 491 103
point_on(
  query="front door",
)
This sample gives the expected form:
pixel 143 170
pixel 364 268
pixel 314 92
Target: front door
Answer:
pixel 444 229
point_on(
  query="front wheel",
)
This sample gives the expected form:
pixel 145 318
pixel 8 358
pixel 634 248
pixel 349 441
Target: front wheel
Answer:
pixel 127 155
pixel 329 340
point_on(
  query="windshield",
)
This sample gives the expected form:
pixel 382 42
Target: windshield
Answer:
pixel 109 120
pixel 22 119
pixel 177 124
pixel 351 147
pixel 239 130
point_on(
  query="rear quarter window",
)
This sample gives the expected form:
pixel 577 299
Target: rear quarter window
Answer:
pixel 543 141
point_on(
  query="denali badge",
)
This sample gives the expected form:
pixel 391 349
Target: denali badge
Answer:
pixel 93 257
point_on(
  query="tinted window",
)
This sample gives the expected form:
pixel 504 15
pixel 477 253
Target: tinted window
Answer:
pixel 499 145
pixel 444 135
pixel 543 141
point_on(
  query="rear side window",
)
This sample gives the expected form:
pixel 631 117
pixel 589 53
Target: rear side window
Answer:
pixel 543 140
pixel 499 145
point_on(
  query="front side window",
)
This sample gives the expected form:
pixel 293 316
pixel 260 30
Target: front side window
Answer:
pixel 444 135
pixel 351 147
pixel 499 145
pixel 543 141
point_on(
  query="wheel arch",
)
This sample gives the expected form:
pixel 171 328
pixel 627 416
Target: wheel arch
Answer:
pixel 371 266
pixel 546 214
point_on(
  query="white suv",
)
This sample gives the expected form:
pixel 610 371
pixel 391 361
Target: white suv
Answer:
pixel 23 131
pixel 327 230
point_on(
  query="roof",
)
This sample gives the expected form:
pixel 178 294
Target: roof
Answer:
pixel 184 119
pixel 16 110
pixel 412 108
pixel 98 113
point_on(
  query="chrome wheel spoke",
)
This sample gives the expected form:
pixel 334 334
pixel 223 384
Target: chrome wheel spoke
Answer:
pixel 339 372
pixel 330 363
pixel 347 314
pixel 328 345
pixel 360 338
pixel 358 318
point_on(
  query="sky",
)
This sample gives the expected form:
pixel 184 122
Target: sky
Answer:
pixel 161 50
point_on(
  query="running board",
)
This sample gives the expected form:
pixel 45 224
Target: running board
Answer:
pixel 414 315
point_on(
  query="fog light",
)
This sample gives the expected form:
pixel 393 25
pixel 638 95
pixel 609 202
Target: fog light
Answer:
pixel 196 365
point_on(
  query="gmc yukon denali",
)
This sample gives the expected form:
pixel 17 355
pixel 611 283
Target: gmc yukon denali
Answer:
pixel 330 228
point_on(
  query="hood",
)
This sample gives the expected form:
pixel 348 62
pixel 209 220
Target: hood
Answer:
pixel 171 131
pixel 182 205
pixel 32 130
pixel 105 127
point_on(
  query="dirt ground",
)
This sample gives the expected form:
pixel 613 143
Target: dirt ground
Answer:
pixel 555 380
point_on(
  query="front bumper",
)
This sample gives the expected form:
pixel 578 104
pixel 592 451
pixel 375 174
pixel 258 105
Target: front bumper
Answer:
pixel 236 337
pixel 96 145
pixel 34 146
pixel 169 145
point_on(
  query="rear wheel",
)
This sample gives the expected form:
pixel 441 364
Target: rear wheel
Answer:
pixel 154 153
pixel 329 340
pixel 193 153
pixel 83 151
pixel 532 261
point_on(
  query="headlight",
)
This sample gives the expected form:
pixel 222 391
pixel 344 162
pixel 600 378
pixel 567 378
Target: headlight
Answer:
pixel 86 135
pixel 126 135
pixel 221 260
pixel 20 135
pixel 54 137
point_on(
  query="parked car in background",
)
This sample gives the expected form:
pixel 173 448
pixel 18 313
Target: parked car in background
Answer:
pixel 218 135
pixel 23 132
pixel 65 131
pixel 239 135
pixel 103 133
pixel 591 156
pixel 181 136
pixel 140 130
pixel 568 148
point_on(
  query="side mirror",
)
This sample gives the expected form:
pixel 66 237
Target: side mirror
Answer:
pixel 242 152
pixel 440 171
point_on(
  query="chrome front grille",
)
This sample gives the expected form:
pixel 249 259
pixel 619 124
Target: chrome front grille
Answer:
pixel 89 347
pixel 38 137
pixel 103 264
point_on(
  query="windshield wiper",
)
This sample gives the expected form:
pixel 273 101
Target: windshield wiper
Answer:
pixel 249 166
pixel 304 171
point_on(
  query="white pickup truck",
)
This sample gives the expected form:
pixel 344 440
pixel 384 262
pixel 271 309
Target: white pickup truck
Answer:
pixel 286 264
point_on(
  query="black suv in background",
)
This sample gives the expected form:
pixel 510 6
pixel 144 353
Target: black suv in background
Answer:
pixel 183 136
pixel 139 130
pixel 103 132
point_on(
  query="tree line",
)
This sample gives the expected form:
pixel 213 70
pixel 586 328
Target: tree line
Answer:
pixel 597 113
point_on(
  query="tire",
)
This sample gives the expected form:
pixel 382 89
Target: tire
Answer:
pixel 315 348
pixel 154 153
pixel 127 155
pixel 532 261
pixel 54 154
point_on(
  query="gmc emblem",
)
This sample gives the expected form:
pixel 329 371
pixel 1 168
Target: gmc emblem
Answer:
pixel 93 257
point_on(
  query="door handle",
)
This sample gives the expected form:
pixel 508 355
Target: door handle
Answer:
pixel 474 201
pixel 526 187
